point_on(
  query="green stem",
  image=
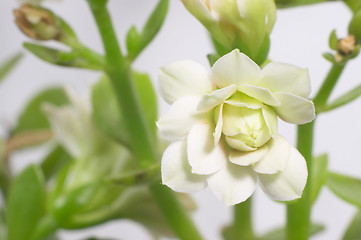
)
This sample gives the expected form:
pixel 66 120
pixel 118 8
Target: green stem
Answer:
pixel 118 69
pixel 298 212
pixel 242 226
pixel 173 211
pixel 328 85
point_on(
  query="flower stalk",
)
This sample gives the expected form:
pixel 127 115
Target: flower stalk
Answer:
pixel 118 69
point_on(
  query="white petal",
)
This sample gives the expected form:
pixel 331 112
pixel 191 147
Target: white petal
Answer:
pixel 203 156
pixel 219 126
pixel 294 109
pixel 288 184
pixel 233 184
pixel 262 94
pixel 242 100
pixel 183 78
pixel 270 118
pixel 176 171
pixel 282 77
pixel 212 100
pixel 235 68
pixel 246 158
pixel 276 158
pixel 182 115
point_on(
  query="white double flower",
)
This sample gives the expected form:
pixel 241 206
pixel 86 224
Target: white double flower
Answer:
pixel 223 126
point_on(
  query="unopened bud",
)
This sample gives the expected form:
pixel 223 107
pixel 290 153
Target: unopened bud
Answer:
pixel 346 45
pixel 38 23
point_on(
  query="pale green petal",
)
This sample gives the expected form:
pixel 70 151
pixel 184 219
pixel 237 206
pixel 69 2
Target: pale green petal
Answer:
pixel 212 100
pixel 282 77
pixel 288 184
pixel 247 158
pixel 239 145
pixel 276 158
pixel 242 100
pixel 294 109
pixel 233 184
pixel 270 118
pixel 176 171
pixel 203 156
pixel 180 118
pixel 183 78
pixel 235 68
pixel 262 94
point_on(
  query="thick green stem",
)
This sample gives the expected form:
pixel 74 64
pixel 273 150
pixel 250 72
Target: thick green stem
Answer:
pixel 298 212
pixel 328 85
pixel 174 212
pixel 242 226
pixel 118 69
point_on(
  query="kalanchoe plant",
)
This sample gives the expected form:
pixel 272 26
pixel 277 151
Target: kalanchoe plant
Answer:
pixel 108 160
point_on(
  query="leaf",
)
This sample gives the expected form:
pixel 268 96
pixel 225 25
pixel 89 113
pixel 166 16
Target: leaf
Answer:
pixel 220 49
pixel 318 175
pixel 329 57
pixel 353 231
pixel 280 233
pixel 345 187
pixel 151 28
pixel 33 118
pixel 332 41
pixel 346 98
pixel 26 203
pixel 212 58
pixel 133 42
pixel 8 65
pixel 107 115
pixel 62 58
pixel 55 161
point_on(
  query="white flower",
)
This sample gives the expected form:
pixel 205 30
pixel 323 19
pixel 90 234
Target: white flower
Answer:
pixel 224 127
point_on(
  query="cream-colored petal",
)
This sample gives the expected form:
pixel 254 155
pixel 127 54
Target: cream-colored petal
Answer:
pixel 271 120
pixel 282 77
pixel 182 115
pixel 239 145
pixel 276 158
pixel 294 109
pixel 235 68
pixel 247 158
pixel 203 156
pixel 262 94
pixel 233 184
pixel 288 184
pixel 219 126
pixel 215 98
pixel 176 171
pixel 242 100
pixel 183 78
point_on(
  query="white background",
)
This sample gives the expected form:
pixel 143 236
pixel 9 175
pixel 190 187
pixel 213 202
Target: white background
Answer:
pixel 299 37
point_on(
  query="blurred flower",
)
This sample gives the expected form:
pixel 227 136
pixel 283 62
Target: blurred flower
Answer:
pixel 231 21
pixel 224 127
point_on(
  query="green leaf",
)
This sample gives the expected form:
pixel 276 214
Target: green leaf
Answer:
pixel 345 187
pixel 55 161
pixel 107 115
pixel 26 203
pixel 151 28
pixel 62 58
pixel 329 57
pixel 332 41
pixel 354 5
pixel 8 65
pixel 220 49
pixel 33 118
pixel 280 233
pixel 353 231
pixel 344 99
pixel 212 58
pixel 3 230
pixel 318 175
pixel 133 42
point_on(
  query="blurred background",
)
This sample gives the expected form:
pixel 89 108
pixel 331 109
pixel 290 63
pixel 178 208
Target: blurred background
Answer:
pixel 299 37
